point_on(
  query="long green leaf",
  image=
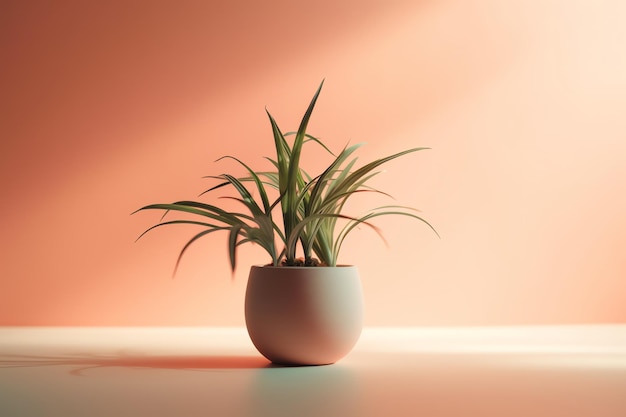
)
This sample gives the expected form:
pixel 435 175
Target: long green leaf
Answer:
pixel 209 225
pixel 257 181
pixel 232 247
pixel 191 241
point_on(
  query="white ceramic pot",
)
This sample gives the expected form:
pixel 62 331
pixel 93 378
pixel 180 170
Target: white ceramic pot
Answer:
pixel 304 315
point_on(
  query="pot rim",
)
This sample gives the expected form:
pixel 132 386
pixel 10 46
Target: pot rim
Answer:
pixel 303 267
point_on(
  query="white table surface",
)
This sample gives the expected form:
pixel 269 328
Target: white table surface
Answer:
pixel 483 371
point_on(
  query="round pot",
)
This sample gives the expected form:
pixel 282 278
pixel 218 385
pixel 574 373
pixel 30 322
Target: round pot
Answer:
pixel 304 315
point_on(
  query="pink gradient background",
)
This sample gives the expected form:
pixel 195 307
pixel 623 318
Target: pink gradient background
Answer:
pixel 108 106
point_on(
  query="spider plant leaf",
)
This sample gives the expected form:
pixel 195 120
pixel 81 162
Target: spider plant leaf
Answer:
pixel 293 180
pixel 232 246
pixel 186 209
pixel 218 213
pixel 296 150
pixel 311 138
pixel 408 213
pixel 208 225
pixel 273 162
pixel 257 181
pixel 220 185
pixel 342 173
pixel 245 194
pixel 282 154
pixel 191 241
pixel 292 240
pixel 271 178
pixel 326 176
pixel 361 172
pixel 349 227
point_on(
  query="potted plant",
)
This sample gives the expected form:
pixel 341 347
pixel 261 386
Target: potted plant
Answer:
pixel 304 309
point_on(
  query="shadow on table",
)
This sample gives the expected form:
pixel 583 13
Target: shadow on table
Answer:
pixel 83 363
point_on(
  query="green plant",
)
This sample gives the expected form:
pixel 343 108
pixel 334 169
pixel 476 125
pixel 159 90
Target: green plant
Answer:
pixel 310 207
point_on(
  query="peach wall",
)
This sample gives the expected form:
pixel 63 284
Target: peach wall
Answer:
pixel 107 106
